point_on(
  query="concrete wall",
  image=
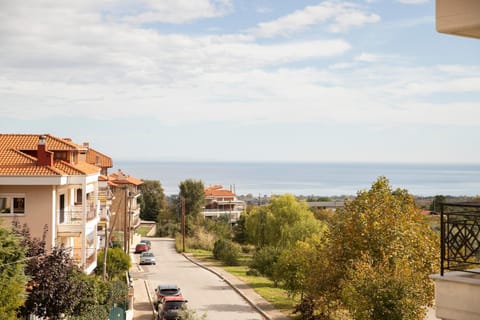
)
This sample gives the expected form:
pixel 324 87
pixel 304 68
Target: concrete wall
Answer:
pixel 457 295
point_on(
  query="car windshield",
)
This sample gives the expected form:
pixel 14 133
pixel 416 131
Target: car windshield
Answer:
pixel 169 305
pixel 147 254
pixel 169 292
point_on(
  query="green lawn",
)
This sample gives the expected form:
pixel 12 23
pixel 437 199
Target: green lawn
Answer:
pixel 143 230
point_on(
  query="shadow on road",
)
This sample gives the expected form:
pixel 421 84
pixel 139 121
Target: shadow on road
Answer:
pixel 143 311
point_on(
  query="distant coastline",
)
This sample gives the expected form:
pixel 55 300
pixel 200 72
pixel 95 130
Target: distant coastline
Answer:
pixel 309 178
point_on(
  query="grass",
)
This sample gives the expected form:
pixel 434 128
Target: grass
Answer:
pixel 143 230
pixel 263 286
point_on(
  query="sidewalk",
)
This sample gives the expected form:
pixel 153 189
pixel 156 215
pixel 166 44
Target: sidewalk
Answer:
pixel 142 304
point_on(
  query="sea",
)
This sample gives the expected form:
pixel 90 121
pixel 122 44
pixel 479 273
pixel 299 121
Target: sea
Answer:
pixel 317 179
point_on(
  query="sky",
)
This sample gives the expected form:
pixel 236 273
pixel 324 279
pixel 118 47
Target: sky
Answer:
pixel 247 80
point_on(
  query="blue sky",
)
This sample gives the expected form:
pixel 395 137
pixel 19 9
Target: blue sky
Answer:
pixel 225 80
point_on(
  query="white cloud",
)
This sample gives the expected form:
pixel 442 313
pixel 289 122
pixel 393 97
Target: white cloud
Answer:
pixel 339 17
pixel 367 57
pixel 413 1
pixel 70 61
pixel 178 11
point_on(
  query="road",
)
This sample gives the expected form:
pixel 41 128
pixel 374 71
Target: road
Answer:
pixel 205 292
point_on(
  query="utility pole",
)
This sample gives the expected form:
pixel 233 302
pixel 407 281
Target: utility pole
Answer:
pixel 182 200
pixel 105 250
pixel 125 240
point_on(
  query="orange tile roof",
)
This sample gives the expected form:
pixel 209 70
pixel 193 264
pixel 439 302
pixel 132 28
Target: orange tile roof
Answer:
pixel 76 169
pixel 122 178
pixel 217 191
pixel 14 162
pixel 98 159
pixel 30 142
pixel 28 171
pixel 14 157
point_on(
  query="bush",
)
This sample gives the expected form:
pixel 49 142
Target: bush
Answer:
pixel 118 262
pixel 168 229
pixel 264 260
pixel 253 273
pixel 247 249
pixel 226 251
pixel 202 239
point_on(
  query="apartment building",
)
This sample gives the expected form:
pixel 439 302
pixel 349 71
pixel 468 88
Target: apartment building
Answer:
pixel 47 182
pixel 125 207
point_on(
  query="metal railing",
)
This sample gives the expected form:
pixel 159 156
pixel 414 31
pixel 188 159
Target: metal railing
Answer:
pixel 460 237
pixel 74 215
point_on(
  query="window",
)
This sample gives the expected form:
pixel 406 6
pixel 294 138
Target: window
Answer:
pixel 78 196
pixel 60 155
pixel 12 204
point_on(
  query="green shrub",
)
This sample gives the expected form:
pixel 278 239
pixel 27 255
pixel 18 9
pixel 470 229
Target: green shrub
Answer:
pixel 253 273
pixel 248 249
pixel 264 260
pixel 226 251
pixel 168 229
pixel 118 262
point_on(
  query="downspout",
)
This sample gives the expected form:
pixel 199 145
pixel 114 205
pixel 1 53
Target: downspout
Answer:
pixel 84 231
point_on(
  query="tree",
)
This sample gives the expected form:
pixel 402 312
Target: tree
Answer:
pixel 152 200
pixel 294 264
pixel 12 278
pixel 118 262
pixel 193 193
pixel 437 200
pixel 281 223
pixel 54 289
pixel 378 259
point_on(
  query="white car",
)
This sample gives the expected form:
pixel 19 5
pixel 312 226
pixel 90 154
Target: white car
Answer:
pixel 147 258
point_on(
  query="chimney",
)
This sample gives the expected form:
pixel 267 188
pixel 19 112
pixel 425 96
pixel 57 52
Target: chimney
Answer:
pixel 44 157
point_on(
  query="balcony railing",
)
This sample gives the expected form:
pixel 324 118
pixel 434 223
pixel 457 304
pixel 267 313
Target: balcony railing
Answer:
pixel 460 237
pixel 90 257
pixel 74 215
pixel 105 196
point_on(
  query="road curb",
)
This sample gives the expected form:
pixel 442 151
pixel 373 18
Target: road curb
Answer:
pixel 147 287
pixel 250 302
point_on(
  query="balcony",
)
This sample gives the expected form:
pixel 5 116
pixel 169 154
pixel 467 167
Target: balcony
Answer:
pixel 70 219
pixel 90 259
pixel 460 237
pixel 105 197
pixel 233 214
pixel 457 287
pixel 74 215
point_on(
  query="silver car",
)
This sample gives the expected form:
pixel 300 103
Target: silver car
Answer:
pixel 147 258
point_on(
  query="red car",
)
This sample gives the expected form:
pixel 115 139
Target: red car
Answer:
pixel 165 290
pixel 170 307
pixel 141 247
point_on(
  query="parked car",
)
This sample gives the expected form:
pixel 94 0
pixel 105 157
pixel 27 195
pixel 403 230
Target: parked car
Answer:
pixel 147 242
pixel 166 290
pixel 141 247
pixel 147 257
pixel 170 307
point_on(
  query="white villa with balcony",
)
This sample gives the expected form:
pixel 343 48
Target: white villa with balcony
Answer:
pixel 220 202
